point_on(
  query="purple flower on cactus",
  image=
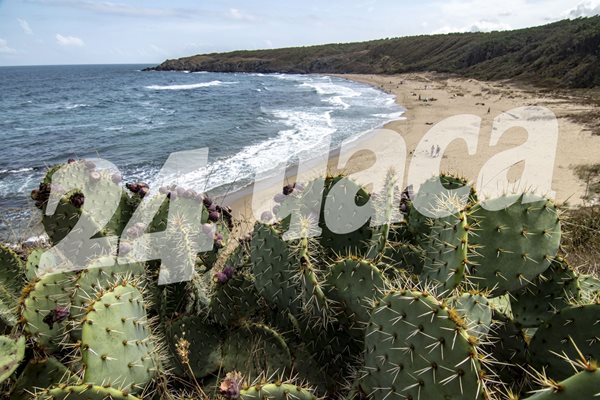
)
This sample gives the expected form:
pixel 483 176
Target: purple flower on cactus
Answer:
pixel 124 248
pixel 218 240
pixel 288 189
pixel 207 201
pixel 77 200
pixel 116 178
pixel 56 315
pixel 220 277
pixel 90 165
pixel 134 187
pixel 229 271
pixel 214 216
pixel 70 161
pixel 232 385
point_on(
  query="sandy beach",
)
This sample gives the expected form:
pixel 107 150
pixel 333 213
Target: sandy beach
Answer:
pixel 430 98
pixel 578 144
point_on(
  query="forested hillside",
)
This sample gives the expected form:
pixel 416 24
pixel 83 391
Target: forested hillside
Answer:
pixel 561 54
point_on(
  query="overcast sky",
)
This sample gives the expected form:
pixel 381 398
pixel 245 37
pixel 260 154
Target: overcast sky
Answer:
pixel 149 31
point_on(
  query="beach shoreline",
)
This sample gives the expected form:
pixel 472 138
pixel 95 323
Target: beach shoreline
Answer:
pixel 429 98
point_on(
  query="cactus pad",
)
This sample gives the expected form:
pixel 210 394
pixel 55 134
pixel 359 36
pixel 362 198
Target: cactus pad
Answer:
pixel 45 308
pixel 277 391
pixel 12 353
pixel 555 289
pixel 354 284
pixel 84 392
pixel 446 251
pixel 274 269
pixel 514 244
pixel 415 348
pixel 476 311
pixel 116 341
pixel 578 324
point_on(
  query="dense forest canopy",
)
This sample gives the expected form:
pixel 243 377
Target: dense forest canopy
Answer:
pixel 561 54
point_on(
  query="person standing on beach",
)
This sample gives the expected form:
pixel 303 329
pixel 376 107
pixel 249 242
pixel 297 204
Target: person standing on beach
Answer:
pixel 432 150
pixel 437 150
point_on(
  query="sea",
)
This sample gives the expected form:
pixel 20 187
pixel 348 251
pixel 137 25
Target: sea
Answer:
pixel 251 123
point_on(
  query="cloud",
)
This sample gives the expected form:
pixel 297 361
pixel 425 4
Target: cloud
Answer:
pixel 69 40
pixel 585 9
pixel 120 9
pixel 25 26
pixel 5 49
pixel 479 26
pixel 235 13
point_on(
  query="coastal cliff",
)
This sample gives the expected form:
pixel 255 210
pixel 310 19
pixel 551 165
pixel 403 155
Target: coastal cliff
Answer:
pixel 561 54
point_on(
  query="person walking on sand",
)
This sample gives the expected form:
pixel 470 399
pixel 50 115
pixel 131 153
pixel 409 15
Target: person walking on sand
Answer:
pixel 432 151
pixel 437 151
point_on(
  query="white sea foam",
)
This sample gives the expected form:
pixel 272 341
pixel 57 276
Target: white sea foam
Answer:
pixel 390 116
pixel 308 133
pixel 15 171
pixel 189 86
pixel 332 93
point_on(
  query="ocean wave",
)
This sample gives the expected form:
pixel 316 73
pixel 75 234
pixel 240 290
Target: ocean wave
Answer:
pixel 390 116
pixel 189 86
pixel 74 106
pixel 337 93
pixel 308 133
pixel 15 171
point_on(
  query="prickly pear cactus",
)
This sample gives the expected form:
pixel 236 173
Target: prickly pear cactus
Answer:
pixel 475 311
pixel 418 223
pixel 45 308
pixel 40 374
pixel 274 269
pixel 65 217
pixel 334 207
pixel 93 279
pixel 277 391
pixel 583 385
pixel 84 392
pixel 234 298
pixel 12 280
pixel 446 251
pixel 570 329
pixel 512 244
pixel 354 284
pixel 554 289
pixel 117 345
pixel 11 354
pixel 415 347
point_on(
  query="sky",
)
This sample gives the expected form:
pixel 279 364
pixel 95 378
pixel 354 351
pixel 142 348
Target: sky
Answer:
pixel 41 32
